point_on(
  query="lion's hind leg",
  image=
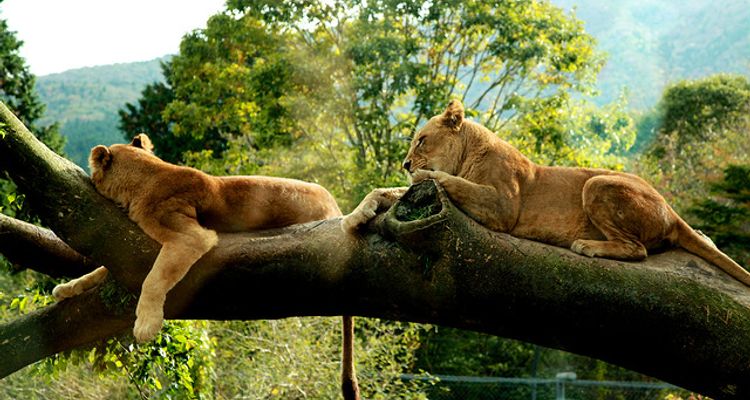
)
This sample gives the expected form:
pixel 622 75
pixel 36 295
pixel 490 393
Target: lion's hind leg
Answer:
pixel 77 286
pixel 184 242
pixel 628 212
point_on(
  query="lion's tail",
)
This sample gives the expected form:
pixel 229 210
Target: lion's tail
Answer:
pixel 690 240
pixel 349 384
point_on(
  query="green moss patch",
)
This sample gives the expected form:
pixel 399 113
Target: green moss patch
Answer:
pixel 419 202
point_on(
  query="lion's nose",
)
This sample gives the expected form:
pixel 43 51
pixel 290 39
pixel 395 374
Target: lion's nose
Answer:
pixel 407 165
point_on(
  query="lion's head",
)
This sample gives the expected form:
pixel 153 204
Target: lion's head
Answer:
pixel 103 160
pixel 438 145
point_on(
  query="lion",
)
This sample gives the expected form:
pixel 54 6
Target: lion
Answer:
pixel 593 212
pixel 183 209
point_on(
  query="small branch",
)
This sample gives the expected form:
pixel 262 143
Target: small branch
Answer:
pixel 59 327
pixel 39 249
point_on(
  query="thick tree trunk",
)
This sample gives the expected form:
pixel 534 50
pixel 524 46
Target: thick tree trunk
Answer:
pixel 673 316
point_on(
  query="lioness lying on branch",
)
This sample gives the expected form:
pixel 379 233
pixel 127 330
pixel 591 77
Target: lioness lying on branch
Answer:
pixel 595 212
pixel 183 209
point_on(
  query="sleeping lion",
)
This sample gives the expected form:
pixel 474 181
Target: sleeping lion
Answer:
pixel 183 209
pixel 595 212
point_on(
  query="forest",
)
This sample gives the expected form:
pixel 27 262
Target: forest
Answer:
pixel 331 92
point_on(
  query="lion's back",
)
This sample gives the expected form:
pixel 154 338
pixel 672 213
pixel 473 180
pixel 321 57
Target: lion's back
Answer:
pixel 261 202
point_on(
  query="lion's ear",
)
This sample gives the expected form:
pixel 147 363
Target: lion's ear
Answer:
pixel 142 141
pixel 453 117
pixel 100 158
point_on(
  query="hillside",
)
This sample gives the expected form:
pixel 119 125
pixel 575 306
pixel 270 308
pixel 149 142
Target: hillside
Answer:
pixel 651 43
pixel 85 101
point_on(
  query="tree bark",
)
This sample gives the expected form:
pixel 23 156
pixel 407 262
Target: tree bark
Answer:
pixel 30 246
pixel 673 317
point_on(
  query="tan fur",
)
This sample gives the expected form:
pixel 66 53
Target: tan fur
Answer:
pixel 183 209
pixel 595 212
pixel 79 285
pixel 378 199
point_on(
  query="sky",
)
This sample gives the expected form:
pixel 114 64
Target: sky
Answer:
pixel 59 35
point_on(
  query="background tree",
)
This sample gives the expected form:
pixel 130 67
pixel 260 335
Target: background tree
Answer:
pixel 702 128
pixel 229 83
pixel 146 117
pixel 402 61
pixel 725 216
pixel 265 74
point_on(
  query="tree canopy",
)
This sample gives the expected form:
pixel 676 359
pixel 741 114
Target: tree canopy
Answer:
pixel 267 74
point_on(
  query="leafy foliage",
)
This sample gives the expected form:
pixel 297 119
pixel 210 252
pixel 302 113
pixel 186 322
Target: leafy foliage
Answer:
pixel 17 89
pixel 147 117
pixel 405 60
pixel 702 128
pixel 725 217
pixel 700 110
pixel 270 74
pixel 228 82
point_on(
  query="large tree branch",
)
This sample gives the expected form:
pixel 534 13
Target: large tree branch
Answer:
pixel 85 319
pixel 30 246
pixel 64 198
pixel 673 317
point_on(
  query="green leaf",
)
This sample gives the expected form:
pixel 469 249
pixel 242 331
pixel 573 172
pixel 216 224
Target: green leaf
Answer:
pixel 22 304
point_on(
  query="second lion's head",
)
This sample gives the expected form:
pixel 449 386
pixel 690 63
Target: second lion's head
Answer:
pixel 438 145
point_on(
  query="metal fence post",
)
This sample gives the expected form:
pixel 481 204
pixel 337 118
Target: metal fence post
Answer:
pixel 560 379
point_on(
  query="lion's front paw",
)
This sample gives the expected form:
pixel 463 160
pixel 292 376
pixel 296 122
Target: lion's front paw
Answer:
pixel 65 291
pixel 581 246
pixel 360 216
pixel 146 327
pixel 421 175
pixel 149 317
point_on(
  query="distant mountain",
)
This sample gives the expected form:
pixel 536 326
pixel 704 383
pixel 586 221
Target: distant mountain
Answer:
pixel 85 102
pixel 652 43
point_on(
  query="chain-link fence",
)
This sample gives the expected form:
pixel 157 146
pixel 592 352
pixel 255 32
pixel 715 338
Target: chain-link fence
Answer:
pixel 564 387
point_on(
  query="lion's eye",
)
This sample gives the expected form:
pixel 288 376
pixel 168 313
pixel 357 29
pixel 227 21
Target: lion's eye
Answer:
pixel 420 142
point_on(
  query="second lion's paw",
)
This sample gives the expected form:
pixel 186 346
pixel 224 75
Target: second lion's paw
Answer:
pixel 360 216
pixel 64 291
